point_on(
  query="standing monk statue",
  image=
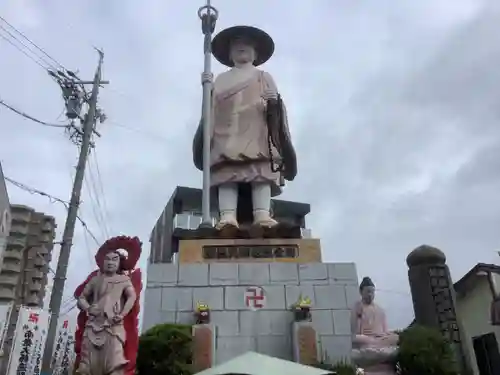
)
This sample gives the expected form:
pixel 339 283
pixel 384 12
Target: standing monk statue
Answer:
pixel 251 149
pixel 107 336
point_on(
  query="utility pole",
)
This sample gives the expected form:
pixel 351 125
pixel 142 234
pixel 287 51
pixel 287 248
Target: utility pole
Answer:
pixel 89 121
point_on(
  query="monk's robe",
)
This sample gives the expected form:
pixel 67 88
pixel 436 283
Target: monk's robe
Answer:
pixel 374 346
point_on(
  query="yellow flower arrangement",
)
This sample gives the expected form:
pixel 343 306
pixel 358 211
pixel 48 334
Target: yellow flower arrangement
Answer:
pixel 201 307
pixel 303 302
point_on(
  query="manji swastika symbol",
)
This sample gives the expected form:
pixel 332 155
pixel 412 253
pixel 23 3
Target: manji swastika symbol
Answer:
pixel 255 297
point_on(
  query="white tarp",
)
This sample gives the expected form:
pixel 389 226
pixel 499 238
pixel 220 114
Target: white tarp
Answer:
pixel 5 311
pixel 29 342
pixel 252 363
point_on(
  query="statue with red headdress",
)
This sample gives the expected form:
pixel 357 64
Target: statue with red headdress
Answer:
pixel 107 337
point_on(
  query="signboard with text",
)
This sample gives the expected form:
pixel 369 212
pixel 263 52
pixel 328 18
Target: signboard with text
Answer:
pixel 63 348
pixel 29 342
pixel 250 252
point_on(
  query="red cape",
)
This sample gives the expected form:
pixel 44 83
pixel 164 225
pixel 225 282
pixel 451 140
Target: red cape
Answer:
pixel 130 322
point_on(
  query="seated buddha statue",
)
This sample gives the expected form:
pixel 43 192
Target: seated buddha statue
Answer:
pixel 374 346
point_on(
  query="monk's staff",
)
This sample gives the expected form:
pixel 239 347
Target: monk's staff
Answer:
pixel 208 16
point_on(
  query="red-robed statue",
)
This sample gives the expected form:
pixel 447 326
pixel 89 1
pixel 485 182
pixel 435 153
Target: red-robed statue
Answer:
pixel 107 335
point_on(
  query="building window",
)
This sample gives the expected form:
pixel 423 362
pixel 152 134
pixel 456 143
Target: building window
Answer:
pixel 487 354
pixel 188 220
pixel 181 221
pixel 194 221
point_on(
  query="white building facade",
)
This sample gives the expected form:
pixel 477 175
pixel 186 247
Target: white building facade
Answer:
pixel 5 216
pixel 475 294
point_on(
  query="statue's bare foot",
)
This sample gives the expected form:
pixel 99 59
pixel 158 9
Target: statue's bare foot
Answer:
pixel 226 223
pixel 264 219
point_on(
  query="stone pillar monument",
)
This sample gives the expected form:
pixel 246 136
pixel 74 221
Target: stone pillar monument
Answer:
pixel 434 297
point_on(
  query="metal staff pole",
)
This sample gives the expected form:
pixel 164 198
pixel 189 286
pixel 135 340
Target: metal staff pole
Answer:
pixel 208 16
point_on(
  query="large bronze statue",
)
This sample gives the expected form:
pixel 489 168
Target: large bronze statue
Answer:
pixel 251 149
pixel 107 335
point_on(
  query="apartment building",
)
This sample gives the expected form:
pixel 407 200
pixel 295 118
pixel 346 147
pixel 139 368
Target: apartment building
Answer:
pixel 4 216
pixel 26 263
pixel 183 210
pixel 27 256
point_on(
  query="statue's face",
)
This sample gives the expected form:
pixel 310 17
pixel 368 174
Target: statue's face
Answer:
pixel 368 294
pixel 242 51
pixel 111 263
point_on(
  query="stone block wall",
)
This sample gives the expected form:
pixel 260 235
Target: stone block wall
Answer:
pixel 173 290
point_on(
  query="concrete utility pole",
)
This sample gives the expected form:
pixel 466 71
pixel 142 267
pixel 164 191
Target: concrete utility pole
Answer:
pixel 69 228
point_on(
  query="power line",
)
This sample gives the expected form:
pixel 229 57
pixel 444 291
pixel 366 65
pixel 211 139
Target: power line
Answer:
pixel 35 191
pixel 96 182
pixel 89 252
pixel 68 301
pixel 52 199
pixel 93 195
pixel 88 230
pixel 69 310
pixel 23 114
pixel 23 52
pixel 93 206
pixel 31 42
pixel 149 134
pixel 25 46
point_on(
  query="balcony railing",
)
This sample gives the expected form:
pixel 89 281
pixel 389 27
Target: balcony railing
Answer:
pixel 188 220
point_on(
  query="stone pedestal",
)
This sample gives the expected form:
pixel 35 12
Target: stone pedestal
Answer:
pixel 174 290
pixel 250 250
pixel 305 343
pixel 203 347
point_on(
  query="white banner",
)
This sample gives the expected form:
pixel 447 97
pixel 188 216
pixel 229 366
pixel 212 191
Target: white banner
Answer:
pixel 5 311
pixel 68 357
pixel 64 341
pixel 29 342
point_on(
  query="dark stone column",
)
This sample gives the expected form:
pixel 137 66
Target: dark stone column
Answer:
pixel 433 297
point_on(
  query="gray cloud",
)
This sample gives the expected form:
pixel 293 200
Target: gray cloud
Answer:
pixel 392 106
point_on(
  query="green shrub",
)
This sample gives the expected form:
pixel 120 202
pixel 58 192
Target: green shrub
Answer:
pixel 340 368
pixel 424 350
pixel 165 349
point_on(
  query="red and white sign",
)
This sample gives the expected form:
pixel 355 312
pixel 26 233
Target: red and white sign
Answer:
pixel 255 297
pixel 62 357
pixel 29 342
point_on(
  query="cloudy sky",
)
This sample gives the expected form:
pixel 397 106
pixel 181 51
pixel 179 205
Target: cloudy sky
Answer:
pixel 394 115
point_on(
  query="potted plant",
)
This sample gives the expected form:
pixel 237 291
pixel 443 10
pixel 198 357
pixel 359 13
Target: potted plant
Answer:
pixel 340 368
pixel 202 313
pixel 302 309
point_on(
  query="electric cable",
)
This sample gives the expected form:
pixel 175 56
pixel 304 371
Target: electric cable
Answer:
pixel 23 114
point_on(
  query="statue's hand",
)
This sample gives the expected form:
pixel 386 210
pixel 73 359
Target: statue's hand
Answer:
pixel 93 310
pixel 207 77
pixel 117 319
pixel 269 94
